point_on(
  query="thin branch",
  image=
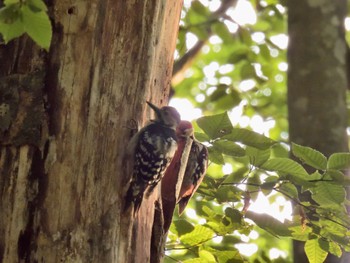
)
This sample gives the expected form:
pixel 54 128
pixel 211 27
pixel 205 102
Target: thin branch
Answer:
pixel 186 60
pixel 193 246
pixel 297 201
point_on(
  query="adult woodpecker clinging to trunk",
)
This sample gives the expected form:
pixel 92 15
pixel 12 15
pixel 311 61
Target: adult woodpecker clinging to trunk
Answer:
pixel 152 150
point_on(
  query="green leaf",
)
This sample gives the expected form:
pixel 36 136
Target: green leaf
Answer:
pixel 10 13
pixel 199 235
pixel 228 193
pixel 270 224
pixel 207 256
pixel 256 156
pixel 216 125
pixel 222 31
pixel 238 55
pixel 11 24
pixel 38 26
pixel 195 260
pixel 11 31
pixel 233 214
pixel 336 175
pixel 249 138
pixel 286 166
pixel 199 8
pixel 202 137
pixel 229 256
pixel 279 150
pixel 253 185
pixel 327 194
pixel 335 249
pixel 314 252
pixel 9 2
pixel 181 227
pixel 247 71
pixel 215 156
pixel 236 176
pixel 290 190
pixel 301 233
pixel 310 156
pixel 229 148
pixel 37 5
pixel 339 161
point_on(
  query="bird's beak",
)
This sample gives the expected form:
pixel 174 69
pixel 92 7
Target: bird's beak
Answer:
pixel 155 108
pixel 189 131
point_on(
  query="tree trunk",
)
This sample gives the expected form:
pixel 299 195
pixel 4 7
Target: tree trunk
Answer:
pixel 317 81
pixel 65 121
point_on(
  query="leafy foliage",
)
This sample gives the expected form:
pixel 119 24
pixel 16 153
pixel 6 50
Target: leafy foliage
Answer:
pixel 26 16
pixel 323 224
pixel 239 69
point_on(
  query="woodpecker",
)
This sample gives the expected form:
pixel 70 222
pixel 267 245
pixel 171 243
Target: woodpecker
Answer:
pixel 196 168
pixel 171 182
pixel 195 163
pixel 152 149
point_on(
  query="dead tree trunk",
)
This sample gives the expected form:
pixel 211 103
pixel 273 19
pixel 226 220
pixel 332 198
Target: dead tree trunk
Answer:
pixel 64 120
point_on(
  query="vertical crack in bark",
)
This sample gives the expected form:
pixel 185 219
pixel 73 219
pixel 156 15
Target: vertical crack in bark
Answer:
pixel 36 191
pixel 158 235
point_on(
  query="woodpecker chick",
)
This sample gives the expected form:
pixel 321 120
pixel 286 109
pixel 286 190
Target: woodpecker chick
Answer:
pixel 152 149
pixel 195 170
pixel 172 180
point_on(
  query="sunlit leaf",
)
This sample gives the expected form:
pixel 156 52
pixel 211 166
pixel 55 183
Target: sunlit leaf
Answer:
pixel 269 224
pixel 339 161
pixel 195 260
pixel 327 194
pixel 207 256
pixel 232 255
pixel 301 233
pixel 199 8
pixel 216 125
pixel 335 249
pixel 287 166
pixel 256 156
pixel 279 150
pixel 229 148
pixel 11 31
pixel 11 24
pixel 38 26
pixel 199 235
pixel 215 156
pixel 253 185
pixel 310 156
pixel 37 5
pixel 290 190
pixel 314 252
pixel 236 176
pixel 249 138
pixel 336 175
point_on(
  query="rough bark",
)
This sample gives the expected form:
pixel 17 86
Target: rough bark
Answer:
pixel 64 128
pixel 317 81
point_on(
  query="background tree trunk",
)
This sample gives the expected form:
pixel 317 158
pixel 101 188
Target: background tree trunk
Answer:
pixel 317 81
pixel 64 123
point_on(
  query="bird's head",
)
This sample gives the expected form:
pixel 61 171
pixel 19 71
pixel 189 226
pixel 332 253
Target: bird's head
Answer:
pixel 184 129
pixel 166 115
